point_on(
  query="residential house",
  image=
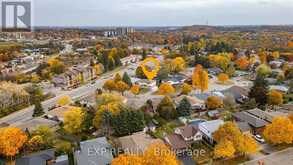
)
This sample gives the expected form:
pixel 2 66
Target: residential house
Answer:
pixel 137 143
pixel 34 123
pixel 183 137
pixel 280 88
pixel 196 104
pixel 244 127
pixel 45 157
pixel 208 128
pixel 240 94
pixel 75 76
pixel 257 125
pixel 94 152
pixel 58 113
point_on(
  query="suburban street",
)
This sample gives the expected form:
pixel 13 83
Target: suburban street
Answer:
pixel 83 91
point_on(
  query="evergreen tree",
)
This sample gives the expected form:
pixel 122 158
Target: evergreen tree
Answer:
pixel 144 54
pixel 126 79
pixel 38 110
pixel 184 108
pixel 259 91
pixel 139 73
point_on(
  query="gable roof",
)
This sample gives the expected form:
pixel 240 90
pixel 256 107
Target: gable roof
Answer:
pixel 137 143
pixel 243 126
pixel 94 152
pixel 38 158
pixel 188 131
pixel 250 119
pixel 236 91
pixel 176 142
pixel 209 127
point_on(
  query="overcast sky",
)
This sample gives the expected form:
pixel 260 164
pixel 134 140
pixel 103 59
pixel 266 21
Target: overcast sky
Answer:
pixel 162 12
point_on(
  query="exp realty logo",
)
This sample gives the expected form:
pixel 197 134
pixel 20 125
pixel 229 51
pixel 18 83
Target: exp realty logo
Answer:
pixel 16 16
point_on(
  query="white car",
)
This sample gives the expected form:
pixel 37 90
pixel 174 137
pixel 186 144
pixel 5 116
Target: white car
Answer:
pixel 259 138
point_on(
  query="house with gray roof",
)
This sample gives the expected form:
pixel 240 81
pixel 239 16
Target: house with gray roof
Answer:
pixel 208 128
pixel 257 124
pixel 39 158
pixel 94 152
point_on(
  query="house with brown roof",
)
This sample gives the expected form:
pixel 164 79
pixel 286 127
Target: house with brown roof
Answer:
pixel 75 76
pixel 183 137
pixel 136 143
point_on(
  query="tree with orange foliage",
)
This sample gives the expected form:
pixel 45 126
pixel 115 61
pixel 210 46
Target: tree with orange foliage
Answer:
pixel 222 78
pixel 109 85
pixel 159 154
pixel 275 98
pixel 11 141
pixel 214 102
pixel 262 57
pixel 156 154
pixel 275 55
pixel 135 89
pixel 127 160
pixel 121 87
pixel 242 63
pixel 224 149
pixel 200 78
pixel 291 117
pixel 279 131
pixel 166 89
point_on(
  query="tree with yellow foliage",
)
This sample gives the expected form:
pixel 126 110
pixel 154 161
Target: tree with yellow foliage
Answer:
pixel 156 154
pixel 11 141
pixel 222 78
pixel 159 153
pixel 243 144
pixel 166 89
pixel 242 63
pixel 186 89
pixel 99 69
pixel 73 120
pixel 135 89
pixel 200 78
pixel 64 100
pixel 262 57
pixel 121 87
pixel 221 60
pixel 177 64
pixel 275 98
pixel 279 131
pixel 106 102
pixel 128 160
pixel 56 66
pixel 224 149
pixel 275 55
pixel 291 117
pixel 109 85
pixel 214 102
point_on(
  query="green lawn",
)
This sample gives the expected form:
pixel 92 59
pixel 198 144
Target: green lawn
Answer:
pixel 166 128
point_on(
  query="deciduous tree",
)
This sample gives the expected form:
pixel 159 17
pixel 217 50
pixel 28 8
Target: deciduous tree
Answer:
pixel 242 63
pixel 186 88
pixel 222 78
pixel 279 131
pixel 200 78
pixel 166 89
pixel 224 149
pixel 135 89
pixel 109 85
pixel 64 100
pixel 177 64
pixel 275 98
pixel 214 102
pixel 11 141
pixel 166 108
pixel 127 79
pixel 73 120
pixel 121 87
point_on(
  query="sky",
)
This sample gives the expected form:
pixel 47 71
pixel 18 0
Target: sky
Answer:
pixel 161 12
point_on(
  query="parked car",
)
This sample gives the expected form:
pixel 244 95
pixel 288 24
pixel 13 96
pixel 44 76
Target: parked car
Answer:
pixel 259 138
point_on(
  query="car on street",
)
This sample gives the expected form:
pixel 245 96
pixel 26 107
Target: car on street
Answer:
pixel 259 138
